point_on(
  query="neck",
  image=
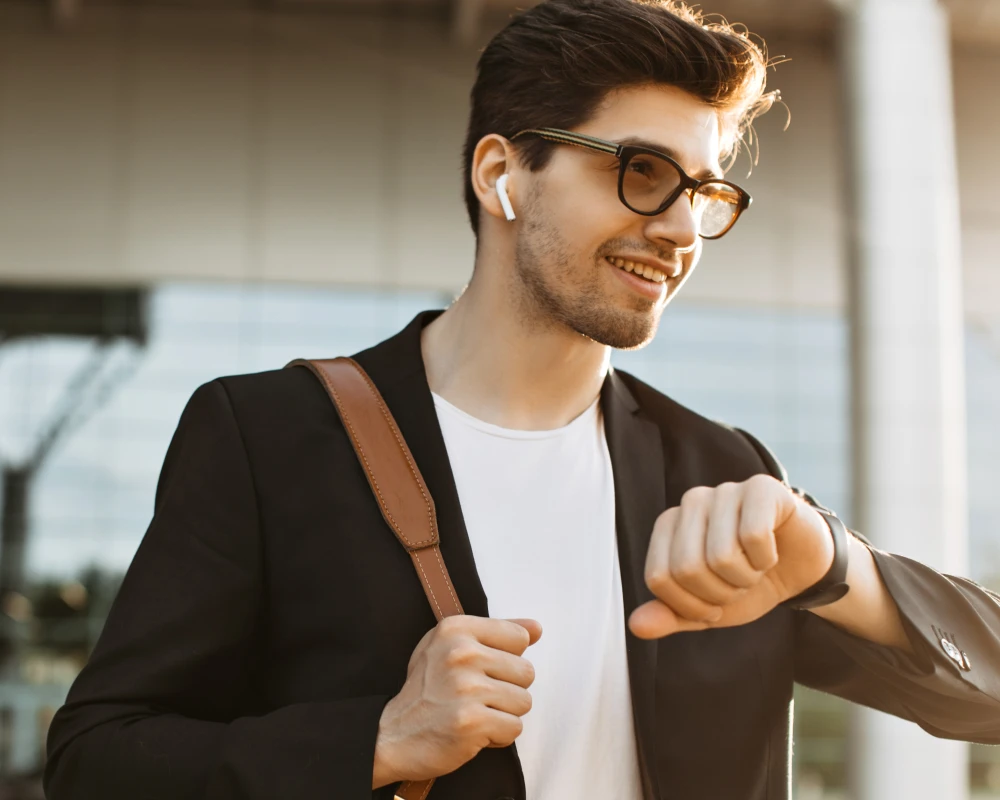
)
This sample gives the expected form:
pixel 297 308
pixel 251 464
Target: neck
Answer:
pixel 497 362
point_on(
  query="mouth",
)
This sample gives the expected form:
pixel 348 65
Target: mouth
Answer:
pixel 649 273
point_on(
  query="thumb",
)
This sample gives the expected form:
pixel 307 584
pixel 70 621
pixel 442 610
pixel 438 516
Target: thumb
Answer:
pixel 654 620
pixel 533 627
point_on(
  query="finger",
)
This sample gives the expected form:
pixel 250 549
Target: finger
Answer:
pixel 533 627
pixel 688 564
pixel 723 551
pixel 758 516
pixel 659 568
pixel 506 667
pixel 500 634
pixel 506 697
pixel 658 551
pixel 654 620
pixel 501 728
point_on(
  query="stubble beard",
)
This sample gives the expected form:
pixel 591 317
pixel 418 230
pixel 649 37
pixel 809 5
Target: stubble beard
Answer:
pixel 553 291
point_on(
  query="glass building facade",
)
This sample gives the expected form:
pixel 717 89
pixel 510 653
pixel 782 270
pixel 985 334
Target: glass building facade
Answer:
pixel 784 375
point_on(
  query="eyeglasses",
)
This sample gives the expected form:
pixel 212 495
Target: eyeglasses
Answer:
pixel 649 182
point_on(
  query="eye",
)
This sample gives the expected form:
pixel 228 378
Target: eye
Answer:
pixel 640 167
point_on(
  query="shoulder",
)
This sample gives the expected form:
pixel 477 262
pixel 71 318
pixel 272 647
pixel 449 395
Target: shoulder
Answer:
pixel 271 399
pixel 688 434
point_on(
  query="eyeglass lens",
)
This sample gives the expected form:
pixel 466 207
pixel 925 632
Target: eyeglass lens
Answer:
pixel 649 181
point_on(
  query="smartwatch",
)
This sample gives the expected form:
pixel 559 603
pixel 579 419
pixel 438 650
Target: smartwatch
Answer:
pixel 832 586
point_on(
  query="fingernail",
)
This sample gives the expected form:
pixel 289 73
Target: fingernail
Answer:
pixel 715 616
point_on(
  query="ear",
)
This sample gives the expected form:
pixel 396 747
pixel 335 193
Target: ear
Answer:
pixel 492 158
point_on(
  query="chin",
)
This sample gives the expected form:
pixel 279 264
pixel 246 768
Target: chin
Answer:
pixel 620 329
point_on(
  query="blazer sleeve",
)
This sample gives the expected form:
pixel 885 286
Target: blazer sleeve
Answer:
pixel 164 708
pixel 949 685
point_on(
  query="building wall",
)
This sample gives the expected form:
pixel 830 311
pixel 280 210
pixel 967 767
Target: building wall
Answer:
pixel 161 144
pixel 216 155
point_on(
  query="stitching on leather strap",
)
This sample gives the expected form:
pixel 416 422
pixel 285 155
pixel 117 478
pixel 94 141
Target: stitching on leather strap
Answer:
pixel 447 578
pixel 402 449
pixel 364 459
pixel 427 583
pixel 408 785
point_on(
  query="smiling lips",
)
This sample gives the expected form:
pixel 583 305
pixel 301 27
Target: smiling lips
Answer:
pixel 644 270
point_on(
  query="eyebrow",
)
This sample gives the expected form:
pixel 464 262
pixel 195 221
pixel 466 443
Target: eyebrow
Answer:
pixel 636 141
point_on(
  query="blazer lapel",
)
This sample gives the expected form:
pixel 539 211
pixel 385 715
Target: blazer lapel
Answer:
pixel 397 368
pixel 640 496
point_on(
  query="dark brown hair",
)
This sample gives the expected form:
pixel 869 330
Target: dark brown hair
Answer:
pixel 554 64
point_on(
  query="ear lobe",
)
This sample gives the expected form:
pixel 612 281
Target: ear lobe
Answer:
pixel 501 188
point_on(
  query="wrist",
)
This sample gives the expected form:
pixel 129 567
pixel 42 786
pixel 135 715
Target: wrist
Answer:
pixel 833 585
pixel 383 770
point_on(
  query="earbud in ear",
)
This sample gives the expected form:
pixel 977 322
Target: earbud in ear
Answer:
pixel 508 209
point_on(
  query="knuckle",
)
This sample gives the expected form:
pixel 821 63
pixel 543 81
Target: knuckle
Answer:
pixel 685 573
pixel 754 536
pixel 695 495
pixel 762 482
pixel 451 626
pixel 466 720
pixel 518 633
pixel 465 686
pixel 528 673
pixel 666 518
pixel 462 654
pixel 658 580
pixel 726 561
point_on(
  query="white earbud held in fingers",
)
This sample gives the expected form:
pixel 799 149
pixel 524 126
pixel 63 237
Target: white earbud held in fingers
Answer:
pixel 508 209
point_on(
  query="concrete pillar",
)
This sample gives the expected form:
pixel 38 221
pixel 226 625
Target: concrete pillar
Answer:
pixel 910 464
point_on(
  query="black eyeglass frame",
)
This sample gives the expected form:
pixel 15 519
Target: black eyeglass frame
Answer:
pixel 625 153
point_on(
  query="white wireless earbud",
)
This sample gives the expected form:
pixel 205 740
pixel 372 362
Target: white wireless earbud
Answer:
pixel 508 209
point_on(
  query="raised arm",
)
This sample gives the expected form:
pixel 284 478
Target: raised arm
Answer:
pixel 947 679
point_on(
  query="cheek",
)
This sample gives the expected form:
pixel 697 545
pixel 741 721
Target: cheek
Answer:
pixel 585 208
pixel 582 212
pixel 586 226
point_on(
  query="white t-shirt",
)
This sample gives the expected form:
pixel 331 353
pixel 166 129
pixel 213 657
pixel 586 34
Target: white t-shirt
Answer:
pixel 540 510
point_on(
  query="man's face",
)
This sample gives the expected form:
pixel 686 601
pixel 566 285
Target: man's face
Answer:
pixel 575 231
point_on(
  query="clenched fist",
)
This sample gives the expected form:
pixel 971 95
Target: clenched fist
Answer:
pixel 728 555
pixel 466 688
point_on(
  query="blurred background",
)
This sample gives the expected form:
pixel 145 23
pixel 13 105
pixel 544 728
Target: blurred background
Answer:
pixel 191 189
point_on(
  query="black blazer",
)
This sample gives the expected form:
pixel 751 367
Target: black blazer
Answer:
pixel 269 614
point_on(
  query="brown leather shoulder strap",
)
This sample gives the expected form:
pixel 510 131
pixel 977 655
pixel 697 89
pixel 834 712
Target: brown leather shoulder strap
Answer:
pixel 396 483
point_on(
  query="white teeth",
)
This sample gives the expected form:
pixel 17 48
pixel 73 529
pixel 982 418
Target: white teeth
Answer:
pixel 650 273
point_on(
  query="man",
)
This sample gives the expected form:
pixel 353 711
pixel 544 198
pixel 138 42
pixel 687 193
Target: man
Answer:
pixel 271 639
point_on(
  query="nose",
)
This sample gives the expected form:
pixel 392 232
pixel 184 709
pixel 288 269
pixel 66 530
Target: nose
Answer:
pixel 676 225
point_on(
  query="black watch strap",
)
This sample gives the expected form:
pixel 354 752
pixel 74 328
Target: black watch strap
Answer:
pixel 832 586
